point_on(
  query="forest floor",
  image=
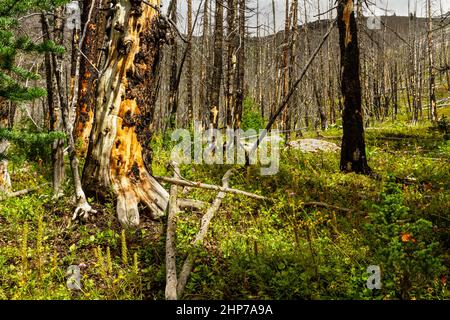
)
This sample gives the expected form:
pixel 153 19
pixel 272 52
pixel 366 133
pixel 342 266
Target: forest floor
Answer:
pixel 255 249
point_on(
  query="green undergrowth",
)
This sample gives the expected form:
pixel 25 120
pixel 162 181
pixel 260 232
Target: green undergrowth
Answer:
pixel 281 249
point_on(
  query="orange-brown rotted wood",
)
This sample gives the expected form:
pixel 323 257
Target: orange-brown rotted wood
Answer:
pixel 119 157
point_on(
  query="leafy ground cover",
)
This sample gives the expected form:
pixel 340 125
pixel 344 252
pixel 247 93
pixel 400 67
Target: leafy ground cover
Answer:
pixel 255 249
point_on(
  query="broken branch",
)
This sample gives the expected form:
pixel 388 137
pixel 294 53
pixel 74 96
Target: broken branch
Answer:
pixel 21 192
pixel 171 266
pixel 186 183
pixel 206 220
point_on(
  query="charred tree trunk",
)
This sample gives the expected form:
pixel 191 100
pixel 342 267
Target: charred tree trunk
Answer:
pixel 119 157
pixel 218 67
pixel 189 85
pixel 240 86
pixel 431 81
pixel 259 62
pixel 331 95
pixel 93 20
pixel 394 90
pixel 417 72
pixel 56 65
pixel 61 87
pixel 285 83
pixel 353 153
pixel 173 87
pixel 53 103
pixel 203 95
pixel 293 49
pixel 444 51
pixel 83 209
pixel 320 79
pixel 274 58
pixel 231 62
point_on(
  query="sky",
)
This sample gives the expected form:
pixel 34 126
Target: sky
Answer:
pixel 399 7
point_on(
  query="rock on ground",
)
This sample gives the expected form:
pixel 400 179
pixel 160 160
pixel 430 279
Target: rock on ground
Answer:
pixel 313 145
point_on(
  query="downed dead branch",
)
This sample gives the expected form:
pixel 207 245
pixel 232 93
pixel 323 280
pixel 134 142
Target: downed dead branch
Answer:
pixel 171 266
pixel 21 192
pixel 206 220
pixel 186 183
pixel 325 205
pixel 175 286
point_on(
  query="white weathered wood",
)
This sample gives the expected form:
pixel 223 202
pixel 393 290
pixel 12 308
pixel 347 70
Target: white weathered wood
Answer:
pixel 171 265
pixel 186 183
pixel 200 237
pixel 20 192
pixel 116 159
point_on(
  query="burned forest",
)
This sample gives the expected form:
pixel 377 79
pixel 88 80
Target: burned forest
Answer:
pixel 224 150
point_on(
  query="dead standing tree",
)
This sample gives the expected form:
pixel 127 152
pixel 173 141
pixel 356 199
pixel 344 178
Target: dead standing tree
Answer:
pixel 118 158
pixel 353 153
pixel 231 62
pixel 203 94
pixel 284 84
pixel 431 68
pixel 93 21
pixel 189 84
pixel 240 85
pixel 218 68
pixel 293 61
pixel 173 87
pixel 54 105
pixel 55 66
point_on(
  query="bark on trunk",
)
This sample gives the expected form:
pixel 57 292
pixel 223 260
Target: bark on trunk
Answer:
pixel 218 67
pixel 189 86
pixel 285 83
pixel 290 123
pixel 231 62
pixel 83 209
pixel 119 158
pixel 93 21
pixel 171 247
pixel 353 153
pixel 173 86
pixel 203 95
pixel 431 81
pixel 53 103
pixel 240 86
